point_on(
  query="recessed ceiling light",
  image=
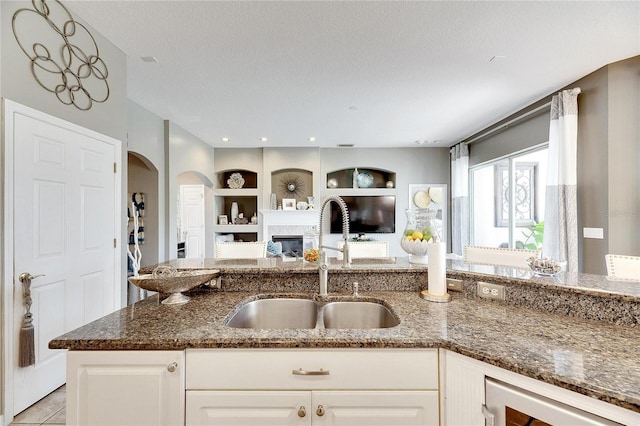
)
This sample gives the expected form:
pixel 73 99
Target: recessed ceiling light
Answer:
pixel 497 58
pixel 263 139
pixel 312 139
pixel 225 139
pixel 149 59
pixel 353 108
pixel 419 142
pixel 345 145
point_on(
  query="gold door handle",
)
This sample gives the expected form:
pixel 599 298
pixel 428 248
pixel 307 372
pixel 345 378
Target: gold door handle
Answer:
pixel 26 277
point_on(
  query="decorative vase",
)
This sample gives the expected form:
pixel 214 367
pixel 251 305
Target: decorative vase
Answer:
pixel 420 231
pixel 273 203
pixel 234 212
pixel 310 201
pixel 310 246
pixel 354 182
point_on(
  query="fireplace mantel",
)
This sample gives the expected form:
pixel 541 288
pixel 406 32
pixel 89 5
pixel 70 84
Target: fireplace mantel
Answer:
pixel 286 222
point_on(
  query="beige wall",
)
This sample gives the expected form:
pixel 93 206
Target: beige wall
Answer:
pixel 608 158
pixel 623 212
pixel 186 153
pixel 146 138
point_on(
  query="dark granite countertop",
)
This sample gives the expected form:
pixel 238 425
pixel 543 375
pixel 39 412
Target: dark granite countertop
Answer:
pixel 595 358
pixel 575 282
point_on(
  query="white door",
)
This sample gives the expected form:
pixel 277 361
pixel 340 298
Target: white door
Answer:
pixel 192 197
pixel 65 199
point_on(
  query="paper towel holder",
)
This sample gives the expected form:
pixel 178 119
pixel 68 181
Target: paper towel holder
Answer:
pixel 434 297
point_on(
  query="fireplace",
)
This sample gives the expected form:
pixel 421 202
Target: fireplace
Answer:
pixel 291 244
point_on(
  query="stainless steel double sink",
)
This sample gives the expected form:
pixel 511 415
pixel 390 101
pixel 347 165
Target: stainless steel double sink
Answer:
pixel 298 313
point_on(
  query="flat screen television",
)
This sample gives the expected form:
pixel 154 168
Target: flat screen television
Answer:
pixel 368 214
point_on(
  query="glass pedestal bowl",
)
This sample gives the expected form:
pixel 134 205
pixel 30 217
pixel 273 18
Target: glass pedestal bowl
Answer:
pixel 418 233
pixel 168 280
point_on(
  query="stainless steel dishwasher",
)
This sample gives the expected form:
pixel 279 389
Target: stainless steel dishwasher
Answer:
pixel 512 406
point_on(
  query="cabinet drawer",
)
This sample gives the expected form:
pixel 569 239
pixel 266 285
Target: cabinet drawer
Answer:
pixel 338 368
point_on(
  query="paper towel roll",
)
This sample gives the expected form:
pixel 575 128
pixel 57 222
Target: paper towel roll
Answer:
pixel 437 272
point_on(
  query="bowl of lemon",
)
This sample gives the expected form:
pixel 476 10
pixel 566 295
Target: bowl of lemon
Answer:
pixel 418 234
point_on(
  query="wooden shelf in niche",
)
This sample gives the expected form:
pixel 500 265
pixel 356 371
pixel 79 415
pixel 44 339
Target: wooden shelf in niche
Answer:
pixel 344 178
pixel 250 178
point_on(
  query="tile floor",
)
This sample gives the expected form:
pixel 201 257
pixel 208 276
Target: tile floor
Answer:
pixel 50 410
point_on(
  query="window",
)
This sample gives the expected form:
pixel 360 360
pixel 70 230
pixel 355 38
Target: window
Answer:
pixel 507 201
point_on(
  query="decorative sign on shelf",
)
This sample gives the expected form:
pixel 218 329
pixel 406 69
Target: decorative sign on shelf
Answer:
pixel 66 62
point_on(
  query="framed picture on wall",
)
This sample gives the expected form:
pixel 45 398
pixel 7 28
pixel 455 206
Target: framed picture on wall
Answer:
pixel 433 197
pixel 223 219
pixel 288 204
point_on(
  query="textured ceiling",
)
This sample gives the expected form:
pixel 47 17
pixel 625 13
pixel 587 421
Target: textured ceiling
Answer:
pixel 372 74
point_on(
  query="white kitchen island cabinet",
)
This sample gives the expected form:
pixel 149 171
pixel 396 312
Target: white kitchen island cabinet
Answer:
pixel 122 388
pixel 312 387
pixel 463 392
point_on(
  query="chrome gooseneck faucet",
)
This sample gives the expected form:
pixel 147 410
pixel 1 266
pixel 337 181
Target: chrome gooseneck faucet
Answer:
pixel 324 258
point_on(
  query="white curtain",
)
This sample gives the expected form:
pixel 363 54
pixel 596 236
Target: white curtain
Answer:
pixel 560 240
pixel 459 198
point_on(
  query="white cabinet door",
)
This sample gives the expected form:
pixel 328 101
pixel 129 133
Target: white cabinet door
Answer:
pixel 125 388
pixel 269 408
pixel 381 408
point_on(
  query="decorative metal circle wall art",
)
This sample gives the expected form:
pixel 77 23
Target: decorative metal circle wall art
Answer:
pixel 72 70
pixel 291 185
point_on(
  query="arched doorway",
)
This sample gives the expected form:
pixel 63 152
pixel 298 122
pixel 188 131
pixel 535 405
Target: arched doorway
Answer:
pixel 194 224
pixel 142 187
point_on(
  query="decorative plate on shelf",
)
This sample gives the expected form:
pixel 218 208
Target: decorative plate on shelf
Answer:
pixel 235 181
pixel 364 180
pixel 422 199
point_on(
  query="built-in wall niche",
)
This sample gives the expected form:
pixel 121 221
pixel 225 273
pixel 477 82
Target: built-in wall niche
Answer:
pixel 227 177
pixel 365 178
pixel 246 205
pixel 249 236
pixel 292 183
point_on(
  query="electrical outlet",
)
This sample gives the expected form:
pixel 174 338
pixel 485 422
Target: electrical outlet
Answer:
pixel 215 283
pixel 454 284
pixel 490 291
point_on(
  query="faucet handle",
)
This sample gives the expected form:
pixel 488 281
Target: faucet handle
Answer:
pixel 355 289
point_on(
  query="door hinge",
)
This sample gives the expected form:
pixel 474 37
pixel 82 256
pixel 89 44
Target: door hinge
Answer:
pixel 115 243
pixel 115 168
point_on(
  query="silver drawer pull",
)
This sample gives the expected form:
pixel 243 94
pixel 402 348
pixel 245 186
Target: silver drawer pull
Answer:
pixel 301 372
pixel 172 367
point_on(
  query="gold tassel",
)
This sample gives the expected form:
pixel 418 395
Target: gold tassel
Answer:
pixel 27 351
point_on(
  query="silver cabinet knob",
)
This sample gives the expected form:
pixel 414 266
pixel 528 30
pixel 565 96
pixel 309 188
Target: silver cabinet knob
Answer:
pixel 320 411
pixel 302 411
pixel 172 367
